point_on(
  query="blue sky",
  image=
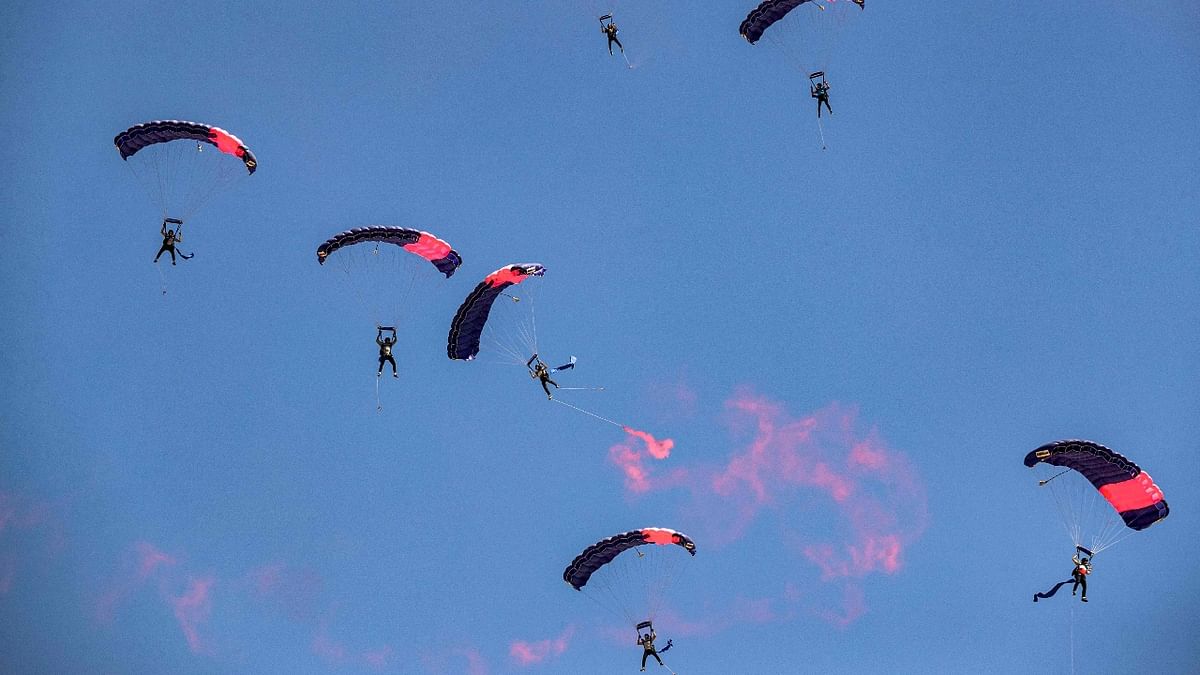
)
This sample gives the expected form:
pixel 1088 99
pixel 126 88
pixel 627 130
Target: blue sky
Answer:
pixel 851 349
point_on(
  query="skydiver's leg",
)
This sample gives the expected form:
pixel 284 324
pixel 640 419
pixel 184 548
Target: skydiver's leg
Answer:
pixel 172 250
pixel 818 108
pixel 160 252
pixel 826 106
pixel 644 655
pixel 655 655
pixel 546 389
pixel 610 41
pixel 382 360
pixel 1083 582
pixel 618 44
pixel 392 361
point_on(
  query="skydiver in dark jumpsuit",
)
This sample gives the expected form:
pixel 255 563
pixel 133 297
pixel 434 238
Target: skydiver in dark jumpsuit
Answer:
pixel 385 351
pixel 610 29
pixel 1080 574
pixel 820 91
pixel 648 650
pixel 170 237
pixel 541 373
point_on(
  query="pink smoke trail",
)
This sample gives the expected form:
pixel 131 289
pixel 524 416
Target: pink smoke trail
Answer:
pixel 530 653
pixel 192 609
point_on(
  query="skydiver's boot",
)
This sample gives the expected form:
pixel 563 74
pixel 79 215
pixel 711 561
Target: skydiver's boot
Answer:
pixel 396 375
pixel 1035 598
pixel 1084 598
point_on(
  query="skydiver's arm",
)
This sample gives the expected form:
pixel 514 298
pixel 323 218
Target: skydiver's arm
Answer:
pixel 529 363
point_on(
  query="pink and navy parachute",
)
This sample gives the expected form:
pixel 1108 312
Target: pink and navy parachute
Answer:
pixel 467 326
pixel 1122 483
pixel 139 136
pixel 605 551
pixel 760 18
pixel 419 243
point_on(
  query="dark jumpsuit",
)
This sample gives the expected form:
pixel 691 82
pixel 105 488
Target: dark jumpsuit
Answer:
pixel 385 353
pixel 647 643
pixel 1079 576
pixel 542 373
pixel 611 31
pixel 168 245
pixel 821 93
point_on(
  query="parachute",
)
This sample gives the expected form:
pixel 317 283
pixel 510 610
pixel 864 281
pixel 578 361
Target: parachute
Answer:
pixel 139 136
pixel 1102 496
pixel 629 573
pixel 807 30
pixel 168 157
pixel 422 244
pixel 517 342
pixel 762 17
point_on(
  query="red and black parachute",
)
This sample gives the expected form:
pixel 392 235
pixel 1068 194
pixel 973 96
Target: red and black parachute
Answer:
pixel 471 317
pixel 1122 483
pixel 139 136
pixel 605 551
pixel 762 17
pixel 419 243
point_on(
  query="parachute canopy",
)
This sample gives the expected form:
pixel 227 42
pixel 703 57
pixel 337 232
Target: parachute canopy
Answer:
pixel 762 17
pixel 1122 483
pixel 468 324
pixel 422 244
pixel 605 551
pixel 139 136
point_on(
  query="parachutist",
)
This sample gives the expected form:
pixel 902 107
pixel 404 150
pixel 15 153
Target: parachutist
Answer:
pixel 1080 574
pixel 170 238
pixel 610 30
pixel 541 373
pixel 820 91
pixel 385 349
pixel 647 643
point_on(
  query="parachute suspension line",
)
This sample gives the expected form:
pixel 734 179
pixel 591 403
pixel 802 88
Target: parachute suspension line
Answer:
pixel 378 400
pixel 162 279
pixel 587 412
pixel 533 322
pixel 1066 509
pixel 821 128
